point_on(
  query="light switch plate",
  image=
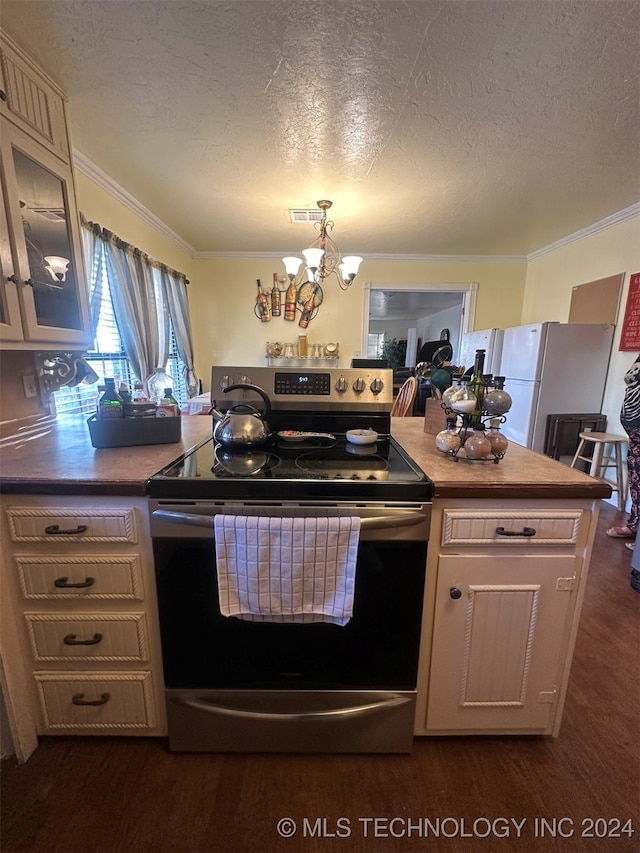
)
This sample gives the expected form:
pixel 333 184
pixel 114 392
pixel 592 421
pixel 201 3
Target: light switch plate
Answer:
pixel 29 384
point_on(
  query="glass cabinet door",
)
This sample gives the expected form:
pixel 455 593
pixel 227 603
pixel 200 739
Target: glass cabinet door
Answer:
pixel 46 242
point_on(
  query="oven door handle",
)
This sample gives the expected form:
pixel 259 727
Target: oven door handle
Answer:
pixel 355 711
pixel 379 522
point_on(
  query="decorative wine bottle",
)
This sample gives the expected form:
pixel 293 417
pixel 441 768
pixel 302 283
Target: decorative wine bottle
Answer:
pixel 275 297
pixel 290 302
pixel 264 312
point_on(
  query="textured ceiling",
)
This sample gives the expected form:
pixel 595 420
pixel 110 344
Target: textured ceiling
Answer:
pixel 466 128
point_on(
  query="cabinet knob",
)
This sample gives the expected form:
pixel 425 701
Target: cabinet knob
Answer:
pixel 455 593
pixel 13 278
pixel 3 95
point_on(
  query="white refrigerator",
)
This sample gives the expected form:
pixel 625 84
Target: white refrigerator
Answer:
pixel 490 340
pixel 552 368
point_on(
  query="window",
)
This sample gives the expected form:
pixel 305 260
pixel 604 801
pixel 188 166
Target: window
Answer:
pixel 108 358
pixel 375 343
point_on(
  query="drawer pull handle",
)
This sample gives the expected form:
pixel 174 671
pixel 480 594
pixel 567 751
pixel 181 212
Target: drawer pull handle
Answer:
pixel 54 530
pixel 79 699
pixel 526 531
pixel 70 640
pixel 63 583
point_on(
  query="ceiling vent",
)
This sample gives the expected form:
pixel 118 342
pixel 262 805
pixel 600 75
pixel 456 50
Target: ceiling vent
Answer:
pixel 301 216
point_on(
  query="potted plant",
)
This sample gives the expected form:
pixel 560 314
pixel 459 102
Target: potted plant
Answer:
pixel 394 351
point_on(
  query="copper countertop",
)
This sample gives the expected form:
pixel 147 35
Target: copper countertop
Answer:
pixel 63 461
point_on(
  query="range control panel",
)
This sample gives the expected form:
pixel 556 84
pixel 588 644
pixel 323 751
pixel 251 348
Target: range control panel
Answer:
pixel 319 388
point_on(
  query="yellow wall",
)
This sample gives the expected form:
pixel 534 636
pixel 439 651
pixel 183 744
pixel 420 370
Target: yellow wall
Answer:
pixel 101 207
pixel 222 291
pixel 226 329
pixel 551 277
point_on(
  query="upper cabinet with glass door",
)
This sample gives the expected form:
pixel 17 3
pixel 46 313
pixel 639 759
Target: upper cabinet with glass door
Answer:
pixel 43 294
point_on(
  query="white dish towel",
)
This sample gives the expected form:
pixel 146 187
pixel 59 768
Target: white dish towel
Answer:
pixel 287 569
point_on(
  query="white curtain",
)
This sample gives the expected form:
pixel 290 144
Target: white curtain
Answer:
pixel 142 319
pixel 92 243
pixel 147 297
pixel 174 292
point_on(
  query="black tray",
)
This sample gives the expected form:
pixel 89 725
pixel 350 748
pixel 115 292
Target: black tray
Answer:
pixel 127 432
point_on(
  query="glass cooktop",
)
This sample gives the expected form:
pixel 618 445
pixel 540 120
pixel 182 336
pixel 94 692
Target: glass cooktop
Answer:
pixel 320 467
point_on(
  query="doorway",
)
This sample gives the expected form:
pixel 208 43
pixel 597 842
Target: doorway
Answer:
pixel 416 313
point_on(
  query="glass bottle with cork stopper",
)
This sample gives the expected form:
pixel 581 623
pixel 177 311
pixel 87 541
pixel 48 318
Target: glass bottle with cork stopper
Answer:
pixel 448 440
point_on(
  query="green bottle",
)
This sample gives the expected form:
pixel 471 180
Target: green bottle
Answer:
pixel 476 384
pixel 110 404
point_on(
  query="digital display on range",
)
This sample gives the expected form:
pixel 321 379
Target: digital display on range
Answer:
pixel 302 383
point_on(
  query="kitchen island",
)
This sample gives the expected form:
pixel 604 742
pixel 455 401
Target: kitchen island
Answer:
pixel 507 565
pixel 62 461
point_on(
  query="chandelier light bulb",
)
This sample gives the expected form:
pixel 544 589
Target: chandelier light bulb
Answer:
pixel 291 265
pixel 57 267
pixel 313 257
pixel 349 267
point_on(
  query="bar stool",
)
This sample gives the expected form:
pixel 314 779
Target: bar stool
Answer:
pixel 601 459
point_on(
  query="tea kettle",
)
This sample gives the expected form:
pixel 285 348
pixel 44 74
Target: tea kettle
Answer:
pixel 242 427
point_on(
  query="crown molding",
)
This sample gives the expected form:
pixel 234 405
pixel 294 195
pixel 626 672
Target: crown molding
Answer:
pixel 487 259
pixel 589 231
pixel 95 174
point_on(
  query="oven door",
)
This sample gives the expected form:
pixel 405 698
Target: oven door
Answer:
pixel 256 685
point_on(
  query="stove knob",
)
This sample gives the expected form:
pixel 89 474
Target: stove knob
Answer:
pixel 245 380
pixel 377 385
pixel 341 385
pixel 225 382
pixel 359 385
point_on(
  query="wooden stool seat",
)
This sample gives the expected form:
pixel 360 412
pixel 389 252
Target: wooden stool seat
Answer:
pixel 606 453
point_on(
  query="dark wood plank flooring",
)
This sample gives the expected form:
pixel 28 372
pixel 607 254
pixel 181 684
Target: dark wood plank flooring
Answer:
pixel 131 794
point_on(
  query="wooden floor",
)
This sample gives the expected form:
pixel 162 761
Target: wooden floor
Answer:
pixel 122 794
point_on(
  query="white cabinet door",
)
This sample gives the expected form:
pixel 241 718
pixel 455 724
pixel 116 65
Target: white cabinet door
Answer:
pixel 499 642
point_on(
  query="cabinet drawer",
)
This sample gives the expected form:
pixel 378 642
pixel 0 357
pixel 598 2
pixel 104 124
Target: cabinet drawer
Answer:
pixel 520 528
pixel 90 637
pixel 71 524
pixel 89 701
pixel 117 577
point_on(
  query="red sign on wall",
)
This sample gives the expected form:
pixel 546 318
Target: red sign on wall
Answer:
pixel 630 335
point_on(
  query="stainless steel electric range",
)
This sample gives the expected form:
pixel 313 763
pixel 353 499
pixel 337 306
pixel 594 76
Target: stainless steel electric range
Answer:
pixel 234 685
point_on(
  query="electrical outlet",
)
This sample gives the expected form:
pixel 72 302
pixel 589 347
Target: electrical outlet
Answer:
pixel 29 385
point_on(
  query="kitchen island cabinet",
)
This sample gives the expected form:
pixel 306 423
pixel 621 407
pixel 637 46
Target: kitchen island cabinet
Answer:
pixel 80 583
pixel 494 659
pixel 501 614
pixel 508 561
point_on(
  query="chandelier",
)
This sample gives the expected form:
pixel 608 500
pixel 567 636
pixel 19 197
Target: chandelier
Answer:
pixel 322 258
